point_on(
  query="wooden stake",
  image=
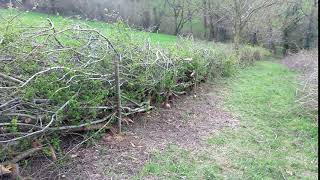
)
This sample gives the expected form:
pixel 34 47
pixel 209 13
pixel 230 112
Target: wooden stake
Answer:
pixel 118 90
pixel 195 84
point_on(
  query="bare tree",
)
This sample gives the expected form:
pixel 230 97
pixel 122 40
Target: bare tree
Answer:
pixel 312 23
pixel 240 13
pixel 183 12
pixel 291 15
pixel 213 17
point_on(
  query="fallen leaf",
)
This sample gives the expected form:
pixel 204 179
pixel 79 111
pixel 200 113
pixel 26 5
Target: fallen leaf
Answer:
pixel 132 144
pixel 28 120
pixel 127 120
pixel 74 155
pixel 290 173
pixel 193 73
pixel 4 170
pixel 119 138
pixel 167 106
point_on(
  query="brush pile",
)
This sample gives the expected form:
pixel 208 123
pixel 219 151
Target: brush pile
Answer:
pixel 307 63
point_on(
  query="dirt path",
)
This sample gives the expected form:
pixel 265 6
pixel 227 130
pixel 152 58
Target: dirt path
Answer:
pixel 189 121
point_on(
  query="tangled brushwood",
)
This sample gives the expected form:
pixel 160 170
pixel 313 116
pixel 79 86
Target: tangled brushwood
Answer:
pixel 307 63
pixel 58 80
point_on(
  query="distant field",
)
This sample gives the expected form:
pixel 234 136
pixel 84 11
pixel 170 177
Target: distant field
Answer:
pixel 36 19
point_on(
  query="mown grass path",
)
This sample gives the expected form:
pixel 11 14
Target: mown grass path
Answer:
pixel 273 141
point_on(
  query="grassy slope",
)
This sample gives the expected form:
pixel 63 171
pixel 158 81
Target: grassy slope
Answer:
pixel 273 142
pixel 34 19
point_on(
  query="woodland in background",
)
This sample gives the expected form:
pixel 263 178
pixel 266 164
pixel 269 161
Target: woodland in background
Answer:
pixel 280 25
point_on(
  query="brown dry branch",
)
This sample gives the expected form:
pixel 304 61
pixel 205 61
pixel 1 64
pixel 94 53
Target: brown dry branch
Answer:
pixel 23 155
pixel 307 63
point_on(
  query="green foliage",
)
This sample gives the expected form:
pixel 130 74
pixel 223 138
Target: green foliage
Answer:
pixel 13 125
pixel 229 66
pixel 177 163
pixel 248 55
pixel 8 32
pixel 56 143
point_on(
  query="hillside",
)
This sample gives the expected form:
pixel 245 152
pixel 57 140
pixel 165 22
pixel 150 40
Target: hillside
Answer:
pixel 39 19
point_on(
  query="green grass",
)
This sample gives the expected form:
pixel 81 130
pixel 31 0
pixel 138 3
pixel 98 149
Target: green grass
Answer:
pixel 177 163
pixel 39 19
pixel 272 142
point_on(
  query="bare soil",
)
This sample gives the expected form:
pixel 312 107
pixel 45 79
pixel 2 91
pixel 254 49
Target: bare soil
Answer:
pixel 189 121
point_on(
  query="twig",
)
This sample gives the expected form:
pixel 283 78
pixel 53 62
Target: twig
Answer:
pixel 22 156
pixel 10 78
pixel 53 117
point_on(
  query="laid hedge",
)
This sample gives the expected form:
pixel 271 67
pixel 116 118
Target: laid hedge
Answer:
pixel 65 76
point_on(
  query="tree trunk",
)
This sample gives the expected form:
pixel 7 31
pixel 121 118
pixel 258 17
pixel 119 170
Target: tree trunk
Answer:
pixel 285 40
pixel 309 31
pixel 157 20
pixel 176 31
pixel 254 38
pixel 205 21
pixel 237 35
pixel 191 27
pixel 270 39
pixel 211 31
pixel 176 28
pixel 237 27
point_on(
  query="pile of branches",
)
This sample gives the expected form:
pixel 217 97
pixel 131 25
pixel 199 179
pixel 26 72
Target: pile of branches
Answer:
pixel 307 63
pixel 42 78
pixel 55 81
pixel 52 82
